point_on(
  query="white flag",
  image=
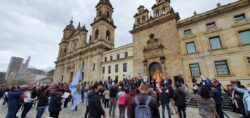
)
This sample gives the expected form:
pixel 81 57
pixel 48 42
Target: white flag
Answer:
pixel 73 88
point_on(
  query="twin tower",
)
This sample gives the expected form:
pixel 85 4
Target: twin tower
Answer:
pixel 103 31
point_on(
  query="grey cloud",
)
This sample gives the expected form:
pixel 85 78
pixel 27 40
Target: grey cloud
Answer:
pixel 34 27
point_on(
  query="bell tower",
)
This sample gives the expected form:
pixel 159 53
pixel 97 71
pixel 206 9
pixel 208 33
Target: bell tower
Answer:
pixel 103 28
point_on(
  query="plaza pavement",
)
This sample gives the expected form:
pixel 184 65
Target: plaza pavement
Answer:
pixel 67 113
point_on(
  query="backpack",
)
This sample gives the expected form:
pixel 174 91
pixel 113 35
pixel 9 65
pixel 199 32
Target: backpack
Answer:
pixel 122 100
pixel 143 110
pixel 248 102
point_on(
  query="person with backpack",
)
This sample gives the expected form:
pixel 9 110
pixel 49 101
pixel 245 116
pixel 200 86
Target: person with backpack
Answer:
pixel 180 101
pixel 106 94
pixel 122 101
pixel 246 99
pixel 165 99
pixel 144 105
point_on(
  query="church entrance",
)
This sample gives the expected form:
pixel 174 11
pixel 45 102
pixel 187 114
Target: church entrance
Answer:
pixel 152 68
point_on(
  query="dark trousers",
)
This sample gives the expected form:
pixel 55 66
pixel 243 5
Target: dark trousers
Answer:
pixel 26 109
pixel 19 107
pixel 182 111
pixel 164 105
pixel 66 102
pixel 219 110
pixel 106 103
pixel 54 114
pixel 122 111
pixel 87 112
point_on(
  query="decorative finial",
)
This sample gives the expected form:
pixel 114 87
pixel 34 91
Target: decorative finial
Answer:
pixel 79 25
pixel 71 21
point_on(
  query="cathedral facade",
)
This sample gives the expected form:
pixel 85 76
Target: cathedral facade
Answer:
pixel 215 43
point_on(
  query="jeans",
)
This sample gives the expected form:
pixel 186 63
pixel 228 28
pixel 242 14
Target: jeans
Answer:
pixel 11 112
pixel 40 111
pixel 182 110
pixel 26 109
pixel 112 106
pixel 163 110
pixel 122 111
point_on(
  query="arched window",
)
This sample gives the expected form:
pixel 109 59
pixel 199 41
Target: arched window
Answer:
pixel 96 34
pixel 108 35
pixel 107 14
pixel 143 18
pixel 100 13
pixel 65 50
pixel 138 21
pixel 157 13
pixel 164 10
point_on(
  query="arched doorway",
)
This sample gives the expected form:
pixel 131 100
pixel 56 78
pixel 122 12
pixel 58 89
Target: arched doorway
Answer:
pixel 152 68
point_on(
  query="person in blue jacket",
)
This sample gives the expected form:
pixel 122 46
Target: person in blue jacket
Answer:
pixel 246 93
pixel 13 100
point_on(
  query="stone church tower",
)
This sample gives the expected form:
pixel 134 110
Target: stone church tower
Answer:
pixel 75 52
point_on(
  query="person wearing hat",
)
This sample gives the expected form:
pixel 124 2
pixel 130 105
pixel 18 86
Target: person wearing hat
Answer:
pixel 141 99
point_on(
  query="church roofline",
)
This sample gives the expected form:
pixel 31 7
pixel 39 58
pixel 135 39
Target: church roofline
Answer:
pixel 214 12
pixel 119 48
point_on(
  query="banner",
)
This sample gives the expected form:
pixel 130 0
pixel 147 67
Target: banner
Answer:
pixel 74 85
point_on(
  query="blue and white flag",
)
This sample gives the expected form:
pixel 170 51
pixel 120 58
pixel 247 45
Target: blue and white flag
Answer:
pixel 73 88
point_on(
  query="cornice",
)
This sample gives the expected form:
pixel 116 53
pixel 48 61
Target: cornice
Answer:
pixel 215 12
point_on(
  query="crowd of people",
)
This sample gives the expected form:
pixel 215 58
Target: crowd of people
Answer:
pixel 135 98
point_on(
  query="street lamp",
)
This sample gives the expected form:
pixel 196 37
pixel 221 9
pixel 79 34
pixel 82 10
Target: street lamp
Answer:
pixel 162 59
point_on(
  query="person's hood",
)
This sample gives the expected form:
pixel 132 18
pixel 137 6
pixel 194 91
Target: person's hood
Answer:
pixel 91 94
pixel 164 89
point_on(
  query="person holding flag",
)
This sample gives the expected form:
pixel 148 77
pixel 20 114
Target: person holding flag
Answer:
pixel 75 90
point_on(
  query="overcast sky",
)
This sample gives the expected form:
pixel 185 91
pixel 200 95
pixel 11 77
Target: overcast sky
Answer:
pixel 34 27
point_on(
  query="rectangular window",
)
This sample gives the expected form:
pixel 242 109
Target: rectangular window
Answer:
pixel 190 47
pixel 118 56
pixel 215 42
pixel 211 25
pixel 188 32
pixel 111 58
pixel 248 60
pixel 195 70
pixel 124 67
pixel 109 69
pixel 105 59
pixel 94 67
pixel 109 78
pixel 222 67
pixel 239 17
pixel 244 37
pixel 116 68
pixel 103 70
pixel 126 54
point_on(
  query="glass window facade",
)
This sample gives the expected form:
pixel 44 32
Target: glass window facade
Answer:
pixel 188 32
pixel 239 17
pixel 109 69
pixel 211 25
pixel 116 68
pixel 103 70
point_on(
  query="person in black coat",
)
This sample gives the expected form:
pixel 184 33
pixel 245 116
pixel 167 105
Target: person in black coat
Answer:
pixel 165 99
pixel 95 107
pixel 42 103
pixel 54 104
pixel 180 101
